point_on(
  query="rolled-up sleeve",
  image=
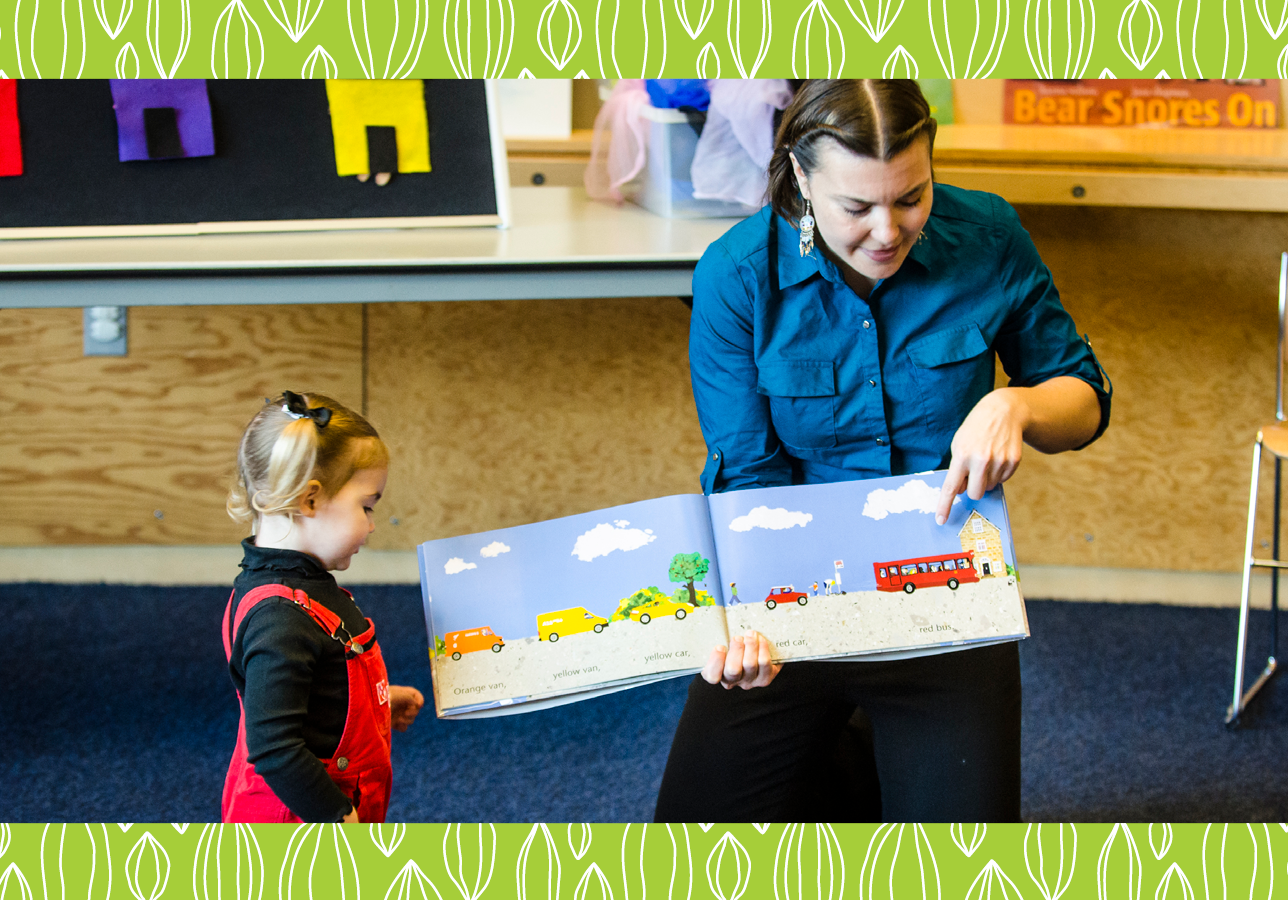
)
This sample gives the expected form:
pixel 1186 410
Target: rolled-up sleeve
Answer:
pixel 743 450
pixel 1038 340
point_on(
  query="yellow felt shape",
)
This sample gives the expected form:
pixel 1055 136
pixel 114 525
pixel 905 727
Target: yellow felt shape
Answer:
pixel 356 104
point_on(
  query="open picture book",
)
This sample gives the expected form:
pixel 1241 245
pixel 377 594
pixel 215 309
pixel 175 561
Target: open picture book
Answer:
pixel 538 615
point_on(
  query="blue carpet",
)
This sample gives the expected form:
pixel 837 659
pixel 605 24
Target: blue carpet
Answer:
pixel 117 707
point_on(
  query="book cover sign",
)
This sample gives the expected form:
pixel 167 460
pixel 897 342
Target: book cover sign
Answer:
pixel 831 567
pixel 585 600
pixel 378 127
pixel 162 118
pixel 10 139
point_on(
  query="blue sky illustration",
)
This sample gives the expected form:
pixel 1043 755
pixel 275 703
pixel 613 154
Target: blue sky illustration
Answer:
pixel 761 558
pixel 538 573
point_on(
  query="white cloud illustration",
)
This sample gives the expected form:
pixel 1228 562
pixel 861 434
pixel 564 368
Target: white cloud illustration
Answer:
pixel 912 496
pixel 456 564
pixel 775 519
pixel 603 539
pixel 496 548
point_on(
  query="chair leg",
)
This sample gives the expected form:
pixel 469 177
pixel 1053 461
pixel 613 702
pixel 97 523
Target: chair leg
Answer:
pixel 1274 583
pixel 1236 705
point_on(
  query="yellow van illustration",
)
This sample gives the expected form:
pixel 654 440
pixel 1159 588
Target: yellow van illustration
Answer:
pixel 562 622
pixel 662 606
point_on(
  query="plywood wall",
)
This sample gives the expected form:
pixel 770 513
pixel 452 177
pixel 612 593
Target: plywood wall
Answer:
pixel 511 412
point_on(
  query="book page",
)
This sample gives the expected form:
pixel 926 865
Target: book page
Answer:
pixel 554 608
pixel 859 567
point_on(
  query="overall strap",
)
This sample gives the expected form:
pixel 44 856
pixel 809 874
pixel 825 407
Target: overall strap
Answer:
pixel 326 620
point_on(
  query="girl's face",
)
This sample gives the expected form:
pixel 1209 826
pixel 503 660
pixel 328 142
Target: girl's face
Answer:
pixel 868 213
pixel 334 528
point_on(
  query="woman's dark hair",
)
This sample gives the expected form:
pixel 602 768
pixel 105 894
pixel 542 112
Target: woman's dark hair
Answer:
pixel 870 117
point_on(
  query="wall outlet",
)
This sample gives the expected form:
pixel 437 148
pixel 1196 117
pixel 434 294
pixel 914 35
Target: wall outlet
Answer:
pixel 105 331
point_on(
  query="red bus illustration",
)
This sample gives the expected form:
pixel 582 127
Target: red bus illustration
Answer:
pixel 926 571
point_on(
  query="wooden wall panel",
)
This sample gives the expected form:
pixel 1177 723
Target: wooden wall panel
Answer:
pixel 504 413
pixel 94 446
pixel 1181 308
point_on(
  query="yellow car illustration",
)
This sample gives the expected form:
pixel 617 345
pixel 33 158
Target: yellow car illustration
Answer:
pixel 660 607
pixel 552 626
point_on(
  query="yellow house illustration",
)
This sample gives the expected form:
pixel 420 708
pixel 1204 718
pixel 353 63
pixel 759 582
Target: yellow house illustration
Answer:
pixel 984 539
pixel 364 112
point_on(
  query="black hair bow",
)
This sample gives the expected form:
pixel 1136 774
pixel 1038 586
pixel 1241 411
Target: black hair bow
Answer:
pixel 298 408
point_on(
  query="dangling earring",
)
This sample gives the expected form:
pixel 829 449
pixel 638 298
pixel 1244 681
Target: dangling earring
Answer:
pixel 807 231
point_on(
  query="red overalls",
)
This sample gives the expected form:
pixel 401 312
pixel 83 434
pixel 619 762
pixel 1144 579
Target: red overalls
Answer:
pixel 360 766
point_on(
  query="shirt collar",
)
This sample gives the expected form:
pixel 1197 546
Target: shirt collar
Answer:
pixel 794 268
pixel 272 558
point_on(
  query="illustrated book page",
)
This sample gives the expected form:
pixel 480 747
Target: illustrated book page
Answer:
pixel 859 568
pixel 536 615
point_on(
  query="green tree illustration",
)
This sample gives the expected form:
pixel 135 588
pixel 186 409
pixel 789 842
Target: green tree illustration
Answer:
pixel 687 568
pixel 440 646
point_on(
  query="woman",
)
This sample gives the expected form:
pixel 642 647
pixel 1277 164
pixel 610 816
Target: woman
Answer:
pixel 848 331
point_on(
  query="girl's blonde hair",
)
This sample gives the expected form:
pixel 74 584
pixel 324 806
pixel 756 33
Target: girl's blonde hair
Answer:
pixel 295 439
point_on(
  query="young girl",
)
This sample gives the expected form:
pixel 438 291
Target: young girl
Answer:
pixel 316 704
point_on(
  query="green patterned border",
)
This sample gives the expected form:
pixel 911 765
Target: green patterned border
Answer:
pixel 634 38
pixel 663 862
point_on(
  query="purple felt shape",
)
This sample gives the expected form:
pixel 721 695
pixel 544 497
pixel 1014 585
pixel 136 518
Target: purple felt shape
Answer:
pixel 186 96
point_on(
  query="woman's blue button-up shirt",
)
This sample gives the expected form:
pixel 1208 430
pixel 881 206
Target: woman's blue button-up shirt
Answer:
pixel 799 380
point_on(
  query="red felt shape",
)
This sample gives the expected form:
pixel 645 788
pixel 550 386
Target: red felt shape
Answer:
pixel 10 144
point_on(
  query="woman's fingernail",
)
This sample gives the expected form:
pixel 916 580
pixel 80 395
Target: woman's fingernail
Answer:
pixel 751 632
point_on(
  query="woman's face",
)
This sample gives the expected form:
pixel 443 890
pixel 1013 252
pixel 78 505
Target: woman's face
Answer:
pixel 867 212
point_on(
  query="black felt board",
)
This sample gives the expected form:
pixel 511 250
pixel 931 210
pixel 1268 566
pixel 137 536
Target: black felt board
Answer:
pixel 274 160
pixel 161 129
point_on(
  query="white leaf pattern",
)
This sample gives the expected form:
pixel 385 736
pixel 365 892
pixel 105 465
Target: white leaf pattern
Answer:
pixel 1163 843
pixel 147 868
pixel 734 33
pixel 169 31
pixel 318 860
pixel 603 890
pixel 550 865
pixel 387 838
pixel 559 33
pixel 113 29
pixel 663 859
pixel 1114 880
pixel 76 861
pixel 900 64
pixel 969 46
pixel 957 831
pixel 237 48
pixel 893 871
pixel 296 22
pixel 1263 13
pixel 1282 64
pixel 1238 862
pixel 410 884
pixel 388 35
pixel 644 17
pixel 579 839
pixel 809 864
pixel 1048 36
pixel 1196 21
pixel 1047 857
pixel 1174 885
pixel 877 28
pixel 227 870
pixel 55 35
pixel 469 854
pixel 728 858
pixel 993 884
pixel 319 57
pixel 1129 27
pixel 13 884
pixel 704 16
pixel 478 36
pixel 708 58
pixel 812 48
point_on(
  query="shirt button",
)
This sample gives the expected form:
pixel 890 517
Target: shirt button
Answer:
pixel 715 455
pixel 871 382
pixel 342 764
pixel 867 324
pixel 881 441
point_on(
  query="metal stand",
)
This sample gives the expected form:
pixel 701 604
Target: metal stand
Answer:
pixel 1243 698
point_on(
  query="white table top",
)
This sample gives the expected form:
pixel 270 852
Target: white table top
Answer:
pixel 552 226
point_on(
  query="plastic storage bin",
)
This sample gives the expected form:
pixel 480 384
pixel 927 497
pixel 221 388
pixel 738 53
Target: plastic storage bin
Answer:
pixel 665 186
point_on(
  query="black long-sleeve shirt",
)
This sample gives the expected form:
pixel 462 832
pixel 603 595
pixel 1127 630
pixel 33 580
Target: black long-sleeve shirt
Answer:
pixel 293 680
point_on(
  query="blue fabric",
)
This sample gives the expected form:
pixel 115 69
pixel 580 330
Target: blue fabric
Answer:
pixel 672 93
pixel 810 383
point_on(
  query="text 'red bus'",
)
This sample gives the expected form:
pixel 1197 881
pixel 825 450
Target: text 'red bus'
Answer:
pixel 926 571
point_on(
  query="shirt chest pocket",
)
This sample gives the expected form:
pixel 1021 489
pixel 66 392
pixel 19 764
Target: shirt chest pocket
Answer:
pixel 953 369
pixel 802 401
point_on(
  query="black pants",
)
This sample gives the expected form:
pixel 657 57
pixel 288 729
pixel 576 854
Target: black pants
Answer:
pixel 945 743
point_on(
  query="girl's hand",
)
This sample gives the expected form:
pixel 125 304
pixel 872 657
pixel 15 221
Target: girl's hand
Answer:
pixel 746 663
pixel 404 705
pixel 351 818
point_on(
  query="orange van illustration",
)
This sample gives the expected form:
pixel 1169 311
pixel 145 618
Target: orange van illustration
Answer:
pixel 562 622
pixel 458 642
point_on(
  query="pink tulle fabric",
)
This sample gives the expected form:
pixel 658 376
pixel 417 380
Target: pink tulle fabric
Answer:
pixel 619 147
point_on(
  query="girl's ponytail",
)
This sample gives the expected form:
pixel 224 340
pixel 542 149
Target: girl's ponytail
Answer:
pixel 295 439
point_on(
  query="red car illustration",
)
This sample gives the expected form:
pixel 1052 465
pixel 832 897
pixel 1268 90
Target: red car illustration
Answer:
pixel 926 571
pixel 785 594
